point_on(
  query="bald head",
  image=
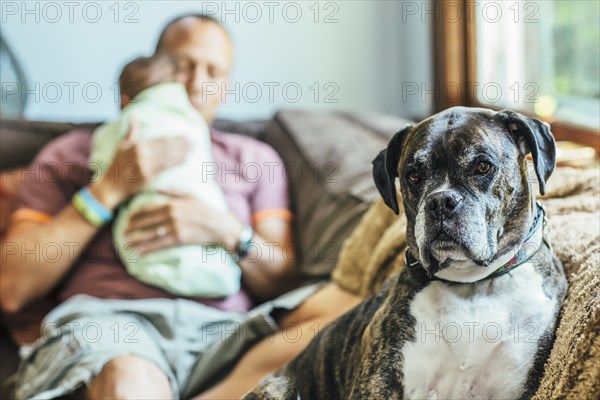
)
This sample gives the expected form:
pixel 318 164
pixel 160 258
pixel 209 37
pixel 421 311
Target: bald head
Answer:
pixel 203 48
pixel 183 21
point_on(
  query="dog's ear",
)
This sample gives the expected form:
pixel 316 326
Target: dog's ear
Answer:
pixel 385 169
pixel 538 141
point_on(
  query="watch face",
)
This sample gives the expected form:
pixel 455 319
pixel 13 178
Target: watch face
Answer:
pixel 245 241
pixel 246 234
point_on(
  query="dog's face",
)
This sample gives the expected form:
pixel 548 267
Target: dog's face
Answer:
pixel 464 183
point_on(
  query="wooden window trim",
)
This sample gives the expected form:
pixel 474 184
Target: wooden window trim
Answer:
pixel 454 47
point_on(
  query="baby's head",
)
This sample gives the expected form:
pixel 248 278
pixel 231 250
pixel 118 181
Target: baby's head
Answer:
pixel 144 72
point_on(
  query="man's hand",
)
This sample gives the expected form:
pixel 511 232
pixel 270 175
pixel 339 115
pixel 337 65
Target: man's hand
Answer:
pixel 268 269
pixel 185 220
pixel 136 163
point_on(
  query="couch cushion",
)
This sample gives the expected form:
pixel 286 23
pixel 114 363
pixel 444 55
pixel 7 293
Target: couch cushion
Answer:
pixel 20 140
pixel 328 160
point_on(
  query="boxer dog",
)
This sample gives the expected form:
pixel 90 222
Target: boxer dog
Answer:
pixel 473 313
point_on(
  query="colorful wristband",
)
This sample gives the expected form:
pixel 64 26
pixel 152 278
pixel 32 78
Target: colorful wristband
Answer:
pixel 91 209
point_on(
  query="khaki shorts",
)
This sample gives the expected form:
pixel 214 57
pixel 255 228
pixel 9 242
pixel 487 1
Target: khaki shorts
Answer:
pixel 195 345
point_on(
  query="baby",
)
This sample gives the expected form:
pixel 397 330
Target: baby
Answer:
pixel 152 93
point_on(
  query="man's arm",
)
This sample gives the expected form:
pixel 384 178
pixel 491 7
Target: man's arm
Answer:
pixel 35 256
pixel 27 270
pixel 268 269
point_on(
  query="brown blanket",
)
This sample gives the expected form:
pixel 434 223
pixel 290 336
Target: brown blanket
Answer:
pixel 375 250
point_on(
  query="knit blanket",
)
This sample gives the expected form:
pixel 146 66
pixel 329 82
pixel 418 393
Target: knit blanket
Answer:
pixel 375 250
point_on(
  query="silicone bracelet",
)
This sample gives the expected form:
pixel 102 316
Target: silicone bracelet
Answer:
pixel 91 209
pixel 95 205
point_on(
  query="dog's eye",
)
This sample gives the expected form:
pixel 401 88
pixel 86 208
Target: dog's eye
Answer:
pixel 413 177
pixel 483 167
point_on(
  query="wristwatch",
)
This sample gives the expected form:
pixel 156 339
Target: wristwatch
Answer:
pixel 244 242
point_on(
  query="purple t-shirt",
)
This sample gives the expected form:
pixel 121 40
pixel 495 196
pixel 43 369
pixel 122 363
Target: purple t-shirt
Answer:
pixel 250 172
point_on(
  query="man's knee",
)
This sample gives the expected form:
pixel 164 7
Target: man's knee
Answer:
pixel 130 377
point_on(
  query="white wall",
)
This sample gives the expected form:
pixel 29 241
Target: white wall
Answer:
pixel 360 59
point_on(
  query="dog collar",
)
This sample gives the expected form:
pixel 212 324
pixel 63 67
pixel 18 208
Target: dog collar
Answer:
pixel 531 245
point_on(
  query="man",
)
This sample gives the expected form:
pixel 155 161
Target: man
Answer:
pixel 154 365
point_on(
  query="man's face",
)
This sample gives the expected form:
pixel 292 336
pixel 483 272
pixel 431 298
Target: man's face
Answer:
pixel 204 52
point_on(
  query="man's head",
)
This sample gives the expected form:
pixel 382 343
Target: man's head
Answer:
pixel 203 48
pixel 464 183
pixel 144 72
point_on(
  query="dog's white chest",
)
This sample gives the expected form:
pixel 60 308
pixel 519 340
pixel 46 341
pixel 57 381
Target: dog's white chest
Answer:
pixel 476 344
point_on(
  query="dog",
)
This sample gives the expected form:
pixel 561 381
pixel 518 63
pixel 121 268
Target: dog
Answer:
pixel 473 313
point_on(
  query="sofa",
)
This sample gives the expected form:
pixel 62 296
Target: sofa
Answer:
pixel 328 156
pixel 331 189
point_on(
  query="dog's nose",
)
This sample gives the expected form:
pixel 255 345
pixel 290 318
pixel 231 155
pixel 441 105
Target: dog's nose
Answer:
pixel 443 204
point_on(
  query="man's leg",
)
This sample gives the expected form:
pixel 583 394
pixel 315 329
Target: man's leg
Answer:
pixel 115 355
pixel 130 377
pixel 299 326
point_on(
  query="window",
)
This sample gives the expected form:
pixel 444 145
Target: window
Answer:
pixel 540 57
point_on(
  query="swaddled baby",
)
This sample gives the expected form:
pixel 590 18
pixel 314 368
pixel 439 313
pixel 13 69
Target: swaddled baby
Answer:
pixel 152 94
